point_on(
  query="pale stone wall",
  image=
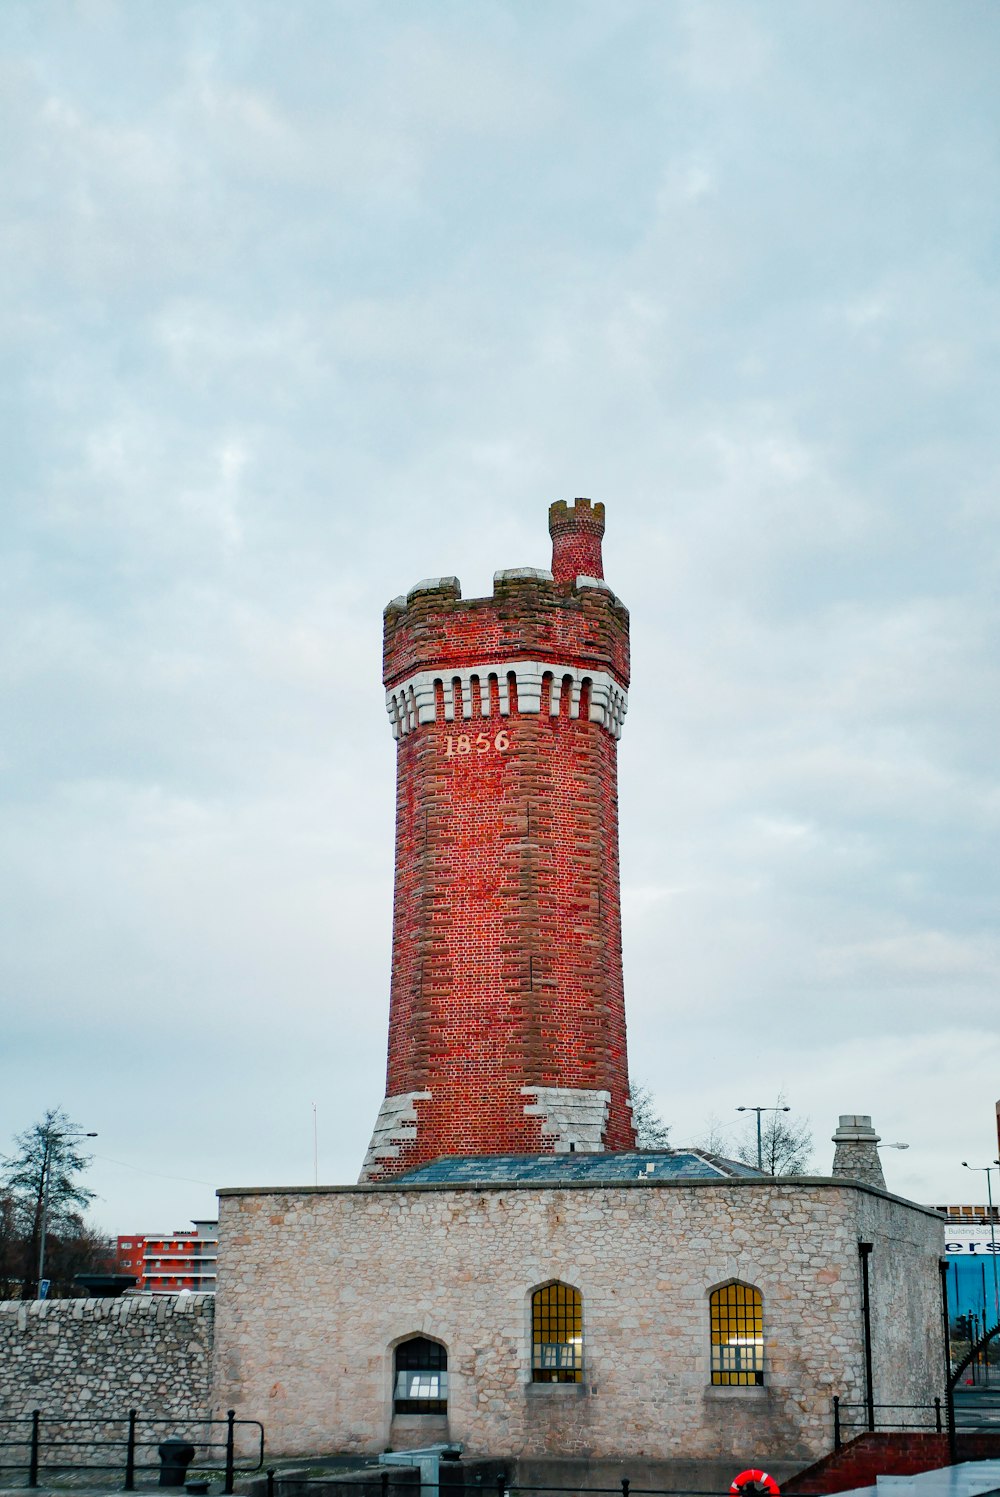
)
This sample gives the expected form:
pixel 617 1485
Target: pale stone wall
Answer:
pixel 102 1357
pixel 316 1287
pixel 105 1356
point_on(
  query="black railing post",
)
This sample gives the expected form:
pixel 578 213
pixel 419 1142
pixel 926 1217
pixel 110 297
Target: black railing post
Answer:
pixel 230 1451
pixel 130 1453
pixel 36 1415
pixel 270 1481
pixel 501 1484
pixel 938 1426
pixel 625 1485
pixel 949 1386
pixel 836 1422
pixel 864 1249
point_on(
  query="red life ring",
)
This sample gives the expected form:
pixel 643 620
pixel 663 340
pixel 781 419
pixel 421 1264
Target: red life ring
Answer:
pixel 754 1481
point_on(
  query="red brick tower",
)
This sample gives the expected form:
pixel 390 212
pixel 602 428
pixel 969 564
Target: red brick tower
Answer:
pixel 507 1013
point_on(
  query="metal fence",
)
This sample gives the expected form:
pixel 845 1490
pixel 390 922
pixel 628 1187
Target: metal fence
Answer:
pixel 850 1419
pixel 504 1486
pixel 959 1413
pixel 64 1442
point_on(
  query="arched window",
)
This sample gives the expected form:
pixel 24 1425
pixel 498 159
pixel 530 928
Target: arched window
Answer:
pixel 737 1335
pixel 421 1383
pixel 556 1334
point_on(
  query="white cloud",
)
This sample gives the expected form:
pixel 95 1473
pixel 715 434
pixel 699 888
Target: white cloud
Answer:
pixel 308 303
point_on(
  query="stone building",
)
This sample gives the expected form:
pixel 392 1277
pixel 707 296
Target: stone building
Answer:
pixel 713 1316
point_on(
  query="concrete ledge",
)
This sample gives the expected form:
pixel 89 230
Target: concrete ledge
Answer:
pixel 649 1183
pixel 748 1393
pixel 556 1390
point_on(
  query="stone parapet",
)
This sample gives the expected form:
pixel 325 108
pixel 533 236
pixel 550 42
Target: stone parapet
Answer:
pixel 575 624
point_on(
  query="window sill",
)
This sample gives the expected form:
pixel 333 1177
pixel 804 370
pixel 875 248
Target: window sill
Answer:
pixel 555 1390
pixel 723 1391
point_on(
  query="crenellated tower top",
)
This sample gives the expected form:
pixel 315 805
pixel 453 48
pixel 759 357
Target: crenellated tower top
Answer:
pixel 576 539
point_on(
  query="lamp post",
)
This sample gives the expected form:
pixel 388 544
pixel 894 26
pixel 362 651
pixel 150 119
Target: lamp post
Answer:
pixel 50 1139
pixel 987 1170
pixel 758 1111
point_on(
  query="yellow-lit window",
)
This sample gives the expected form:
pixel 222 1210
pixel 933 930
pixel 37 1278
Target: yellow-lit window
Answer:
pixel 556 1334
pixel 737 1335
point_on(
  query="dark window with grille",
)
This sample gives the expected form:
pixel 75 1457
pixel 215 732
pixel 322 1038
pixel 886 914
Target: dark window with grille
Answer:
pixel 737 1335
pixel 421 1382
pixel 556 1334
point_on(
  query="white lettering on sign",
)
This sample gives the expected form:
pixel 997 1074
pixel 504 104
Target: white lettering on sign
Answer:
pixel 455 745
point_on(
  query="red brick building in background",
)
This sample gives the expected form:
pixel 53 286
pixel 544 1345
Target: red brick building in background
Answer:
pixel 167 1265
pixel 507 1017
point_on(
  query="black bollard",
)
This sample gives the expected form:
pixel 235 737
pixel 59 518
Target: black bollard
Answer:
pixel 175 1457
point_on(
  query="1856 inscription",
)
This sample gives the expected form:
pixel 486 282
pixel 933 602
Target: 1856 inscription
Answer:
pixel 478 743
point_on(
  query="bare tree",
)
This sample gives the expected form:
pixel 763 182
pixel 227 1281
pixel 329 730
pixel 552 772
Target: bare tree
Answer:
pixel 11 1247
pixel 41 1182
pixel 786 1143
pixel 651 1132
pixel 714 1139
pixel 77 1247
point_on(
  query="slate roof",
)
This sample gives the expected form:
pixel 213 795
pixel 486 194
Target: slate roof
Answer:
pixel 594 1169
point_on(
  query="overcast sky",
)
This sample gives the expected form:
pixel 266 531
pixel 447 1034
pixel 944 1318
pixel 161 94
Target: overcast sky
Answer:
pixel 306 301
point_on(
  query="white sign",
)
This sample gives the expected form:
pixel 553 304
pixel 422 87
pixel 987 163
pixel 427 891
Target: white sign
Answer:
pixel 963 1239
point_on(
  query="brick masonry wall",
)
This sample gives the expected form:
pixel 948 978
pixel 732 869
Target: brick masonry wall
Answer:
pixel 102 1357
pixel 507 967
pixel 526 618
pixel 507 964
pixel 318 1286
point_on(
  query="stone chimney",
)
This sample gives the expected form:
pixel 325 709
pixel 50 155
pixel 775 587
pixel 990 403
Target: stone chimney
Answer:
pixel 856 1155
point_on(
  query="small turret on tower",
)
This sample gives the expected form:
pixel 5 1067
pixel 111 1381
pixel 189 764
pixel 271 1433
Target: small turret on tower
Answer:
pixel 576 539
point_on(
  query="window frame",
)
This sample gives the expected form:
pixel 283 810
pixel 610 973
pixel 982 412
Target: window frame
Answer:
pixel 556 1307
pixel 736 1312
pixel 423 1366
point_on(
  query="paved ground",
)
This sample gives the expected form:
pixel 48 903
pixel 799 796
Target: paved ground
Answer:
pixel 85 1484
pixel 978 1408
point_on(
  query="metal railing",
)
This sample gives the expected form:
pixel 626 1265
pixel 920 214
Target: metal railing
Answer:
pixel 895 1417
pixel 37 1443
pixel 503 1486
pixel 960 1413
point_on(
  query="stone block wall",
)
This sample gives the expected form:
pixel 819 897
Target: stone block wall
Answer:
pixel 100 1358
pixel 317 1287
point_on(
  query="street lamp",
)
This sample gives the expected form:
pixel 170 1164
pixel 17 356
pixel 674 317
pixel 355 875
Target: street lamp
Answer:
pixel 758 1111
pixel 50 1139
pixel 987 1170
